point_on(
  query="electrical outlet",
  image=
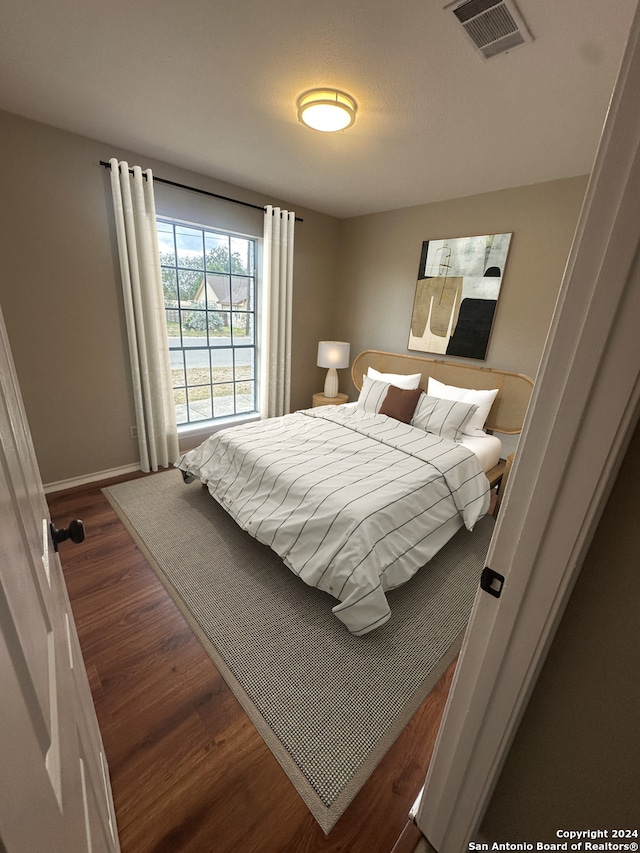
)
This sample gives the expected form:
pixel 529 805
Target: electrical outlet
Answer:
pixel 133 432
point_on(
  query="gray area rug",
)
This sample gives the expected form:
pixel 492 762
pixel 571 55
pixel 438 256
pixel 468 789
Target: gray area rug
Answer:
pixel 328 704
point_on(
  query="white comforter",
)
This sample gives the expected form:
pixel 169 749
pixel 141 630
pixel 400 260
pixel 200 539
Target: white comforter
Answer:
pixel 354 503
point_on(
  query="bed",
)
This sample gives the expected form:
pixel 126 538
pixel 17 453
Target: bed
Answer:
pixel 357 498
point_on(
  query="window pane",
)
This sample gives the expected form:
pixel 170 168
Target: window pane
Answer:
pixel 172 319
pixel 245 360
pixel 198 372
pixel 185 320
pixel 242 289
pixel 191 285
pixel 200 404
pixel 242 255
pixel 220 336
pixel 219 327
pixel 169 285
pixel 223 400
pixel 243 331
pixel 180 401
pixel 221 365
pixel 178 376
pixel 194 323
pixel 189 247
pixel 217 251
pixel 166 244
pixel 219 289
pixel 245 397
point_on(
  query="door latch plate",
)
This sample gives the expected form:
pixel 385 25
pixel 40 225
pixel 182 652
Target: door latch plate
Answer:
pixel 491 582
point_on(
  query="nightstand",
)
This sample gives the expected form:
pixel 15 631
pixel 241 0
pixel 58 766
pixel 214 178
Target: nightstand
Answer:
pixel 494 476
pixel 320 400
pixel 498 476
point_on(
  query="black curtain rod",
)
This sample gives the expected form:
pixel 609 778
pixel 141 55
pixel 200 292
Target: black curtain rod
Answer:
pixel 202 192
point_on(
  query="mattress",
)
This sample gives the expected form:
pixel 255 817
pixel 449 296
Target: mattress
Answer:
pixel 487 448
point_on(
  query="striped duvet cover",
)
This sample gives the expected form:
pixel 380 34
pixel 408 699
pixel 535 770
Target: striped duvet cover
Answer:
pixel 353 502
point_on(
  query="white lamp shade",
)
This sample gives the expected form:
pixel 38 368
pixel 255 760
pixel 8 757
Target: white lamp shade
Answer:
pixel 333 354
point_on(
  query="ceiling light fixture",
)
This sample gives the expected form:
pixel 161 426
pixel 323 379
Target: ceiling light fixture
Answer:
pixel 327 110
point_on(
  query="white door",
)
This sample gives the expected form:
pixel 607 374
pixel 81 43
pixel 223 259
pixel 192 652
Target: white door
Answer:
pixel 584 408
pixel 55 795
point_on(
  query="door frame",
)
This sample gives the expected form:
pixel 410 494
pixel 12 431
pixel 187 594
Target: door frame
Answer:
pixel 583 411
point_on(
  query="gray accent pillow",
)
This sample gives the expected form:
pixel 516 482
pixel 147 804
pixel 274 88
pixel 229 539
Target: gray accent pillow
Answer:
pixel 372 394
pixel 446 418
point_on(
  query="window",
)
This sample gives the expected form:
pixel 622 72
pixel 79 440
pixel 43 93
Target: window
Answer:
pixel 209 284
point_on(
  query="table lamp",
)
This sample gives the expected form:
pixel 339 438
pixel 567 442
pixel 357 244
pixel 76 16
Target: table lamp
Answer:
pixel 332 354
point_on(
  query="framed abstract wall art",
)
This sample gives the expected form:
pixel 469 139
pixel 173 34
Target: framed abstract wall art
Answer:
pixel 457 291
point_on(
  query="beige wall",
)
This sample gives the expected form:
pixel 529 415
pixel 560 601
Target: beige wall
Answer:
pixel 575 761
pixel 60 289
pixel 354 281
pixel 380 254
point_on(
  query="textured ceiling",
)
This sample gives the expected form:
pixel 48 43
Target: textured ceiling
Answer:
pixel 212 87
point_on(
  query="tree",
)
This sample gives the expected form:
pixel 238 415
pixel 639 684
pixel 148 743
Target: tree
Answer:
pixel 189 280
pixel 217 260
pixel 189 274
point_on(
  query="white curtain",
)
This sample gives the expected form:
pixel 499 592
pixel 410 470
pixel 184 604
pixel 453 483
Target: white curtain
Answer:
pixel 276 307
pixel 135 216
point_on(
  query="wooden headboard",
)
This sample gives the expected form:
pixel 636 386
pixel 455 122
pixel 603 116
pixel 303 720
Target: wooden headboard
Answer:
pixel 514 389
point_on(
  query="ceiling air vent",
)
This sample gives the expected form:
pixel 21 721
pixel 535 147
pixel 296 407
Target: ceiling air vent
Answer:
pixel 494 26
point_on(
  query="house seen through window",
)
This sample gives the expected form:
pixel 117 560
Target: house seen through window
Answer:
pixel 209 284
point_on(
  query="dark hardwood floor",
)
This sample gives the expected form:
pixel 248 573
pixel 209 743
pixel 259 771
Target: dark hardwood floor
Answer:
pixel 189 771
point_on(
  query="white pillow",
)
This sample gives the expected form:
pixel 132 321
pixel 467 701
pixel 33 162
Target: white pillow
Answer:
pixel 400 380
pixel 372 394
pixel 482 399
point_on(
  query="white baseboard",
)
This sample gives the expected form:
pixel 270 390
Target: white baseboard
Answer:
pixel 89 478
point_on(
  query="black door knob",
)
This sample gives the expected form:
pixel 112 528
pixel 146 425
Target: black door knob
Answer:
pixel 75 532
